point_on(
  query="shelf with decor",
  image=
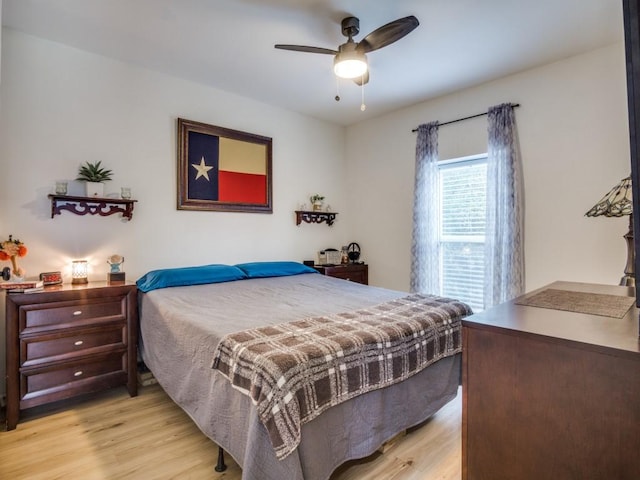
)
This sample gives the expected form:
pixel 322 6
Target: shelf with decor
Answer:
pixel 315 217
pixel 91 205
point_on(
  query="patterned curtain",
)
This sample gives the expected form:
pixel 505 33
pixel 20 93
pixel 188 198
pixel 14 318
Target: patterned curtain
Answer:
pixel 425 257
pixel 504 239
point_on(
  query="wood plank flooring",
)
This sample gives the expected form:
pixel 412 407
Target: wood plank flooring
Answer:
pixel 112 436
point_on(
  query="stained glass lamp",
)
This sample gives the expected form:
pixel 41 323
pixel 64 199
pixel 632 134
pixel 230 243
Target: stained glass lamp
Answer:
pixel 617 203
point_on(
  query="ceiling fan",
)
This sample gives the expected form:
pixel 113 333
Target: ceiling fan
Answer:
pixel 350 60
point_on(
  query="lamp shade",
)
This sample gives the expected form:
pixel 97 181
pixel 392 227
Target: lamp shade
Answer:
pixel 349 63
pixel 350 68
pixel 79 272
pixel 616 203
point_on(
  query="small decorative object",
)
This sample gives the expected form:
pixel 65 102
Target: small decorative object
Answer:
pixel 125 193
pixel 10 250
pixel 115 275
pixel 618 203
pixel 316 201
pixel 51 278
pixel 61 188
pixel 94 175
pixel 329 256
pixel 79 272
pixel 353 252
pixel 345 256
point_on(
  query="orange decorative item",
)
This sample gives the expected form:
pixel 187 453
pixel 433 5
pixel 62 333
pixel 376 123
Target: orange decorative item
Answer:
pixel 9 250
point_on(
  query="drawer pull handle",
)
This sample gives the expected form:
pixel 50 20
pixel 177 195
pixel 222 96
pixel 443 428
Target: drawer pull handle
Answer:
pixel 77 312
pixel 78 373
pixel 78 343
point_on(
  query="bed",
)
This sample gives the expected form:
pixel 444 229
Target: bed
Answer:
pixel 182 327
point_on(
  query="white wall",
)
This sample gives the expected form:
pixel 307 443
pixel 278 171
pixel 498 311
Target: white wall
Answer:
pixel 60 107
pixel 574 140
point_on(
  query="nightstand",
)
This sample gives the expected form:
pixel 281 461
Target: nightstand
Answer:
pixel 69 340
pixel 355 272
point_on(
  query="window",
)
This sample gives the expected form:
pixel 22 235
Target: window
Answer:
pixel 462 228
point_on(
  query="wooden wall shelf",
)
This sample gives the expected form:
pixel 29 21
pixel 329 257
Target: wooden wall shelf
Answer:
pixel 315 217
pixel 93 206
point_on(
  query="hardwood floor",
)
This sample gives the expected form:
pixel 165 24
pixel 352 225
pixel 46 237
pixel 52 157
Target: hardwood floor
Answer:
pixel 112 436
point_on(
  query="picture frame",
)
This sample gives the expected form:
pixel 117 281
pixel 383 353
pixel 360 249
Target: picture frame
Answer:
pixel 224 170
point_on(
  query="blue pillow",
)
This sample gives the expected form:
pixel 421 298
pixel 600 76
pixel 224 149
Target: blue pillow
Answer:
pixel 178 277
pixel 274 269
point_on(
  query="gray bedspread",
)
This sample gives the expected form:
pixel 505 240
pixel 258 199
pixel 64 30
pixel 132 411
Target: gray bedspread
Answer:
pixel 296 370
pixel 182 326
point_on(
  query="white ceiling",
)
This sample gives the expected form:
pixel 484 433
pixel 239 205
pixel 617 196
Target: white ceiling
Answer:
pixel 228 44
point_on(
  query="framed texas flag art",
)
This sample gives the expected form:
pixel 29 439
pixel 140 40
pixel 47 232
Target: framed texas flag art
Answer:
pixel 220 169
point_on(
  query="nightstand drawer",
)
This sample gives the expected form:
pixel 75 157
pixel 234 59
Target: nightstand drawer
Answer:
pixel 66 380
pixel 354 272
pixel 68 314
pixel 352 276
pixel 40 349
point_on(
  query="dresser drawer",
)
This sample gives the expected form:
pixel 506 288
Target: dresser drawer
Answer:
pixel 47 384
pixel 49 316
pixel 36 350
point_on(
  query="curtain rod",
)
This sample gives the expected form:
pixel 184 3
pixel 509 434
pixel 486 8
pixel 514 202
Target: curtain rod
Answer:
pixel 515 105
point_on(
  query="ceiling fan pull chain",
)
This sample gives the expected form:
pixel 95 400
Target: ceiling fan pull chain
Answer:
pixel 337 97
pixel 363 107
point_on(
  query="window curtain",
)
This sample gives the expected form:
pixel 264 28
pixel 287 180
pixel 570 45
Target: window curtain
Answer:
pixel 425 257
pixel 504 238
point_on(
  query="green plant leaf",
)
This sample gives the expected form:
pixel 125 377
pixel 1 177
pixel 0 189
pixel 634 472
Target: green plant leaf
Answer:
pixel 94 172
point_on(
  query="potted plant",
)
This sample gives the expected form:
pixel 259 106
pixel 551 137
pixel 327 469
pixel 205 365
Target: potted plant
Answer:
pixel 316 201
pixel 94 176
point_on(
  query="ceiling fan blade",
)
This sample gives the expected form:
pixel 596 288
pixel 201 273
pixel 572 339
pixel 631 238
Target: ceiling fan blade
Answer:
pixel 387 34
pixel 302 48
pixel 363 80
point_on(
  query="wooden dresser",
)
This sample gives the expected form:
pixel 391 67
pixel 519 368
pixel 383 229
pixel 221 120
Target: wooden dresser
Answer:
pixel 550 394
pixel 69 340
pixel 354 272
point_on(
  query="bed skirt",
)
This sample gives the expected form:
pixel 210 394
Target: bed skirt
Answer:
pixel 376 417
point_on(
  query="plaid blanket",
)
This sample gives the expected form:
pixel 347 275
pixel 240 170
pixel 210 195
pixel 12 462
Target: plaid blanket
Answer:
pixel 294 371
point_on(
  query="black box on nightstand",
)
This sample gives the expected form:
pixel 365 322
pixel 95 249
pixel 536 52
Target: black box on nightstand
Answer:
pixel 115 278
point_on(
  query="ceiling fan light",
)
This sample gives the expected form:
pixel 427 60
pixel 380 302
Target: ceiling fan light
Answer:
pixel 349 65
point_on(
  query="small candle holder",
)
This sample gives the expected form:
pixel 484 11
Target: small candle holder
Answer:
pixel 61 188
pixel 79 272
